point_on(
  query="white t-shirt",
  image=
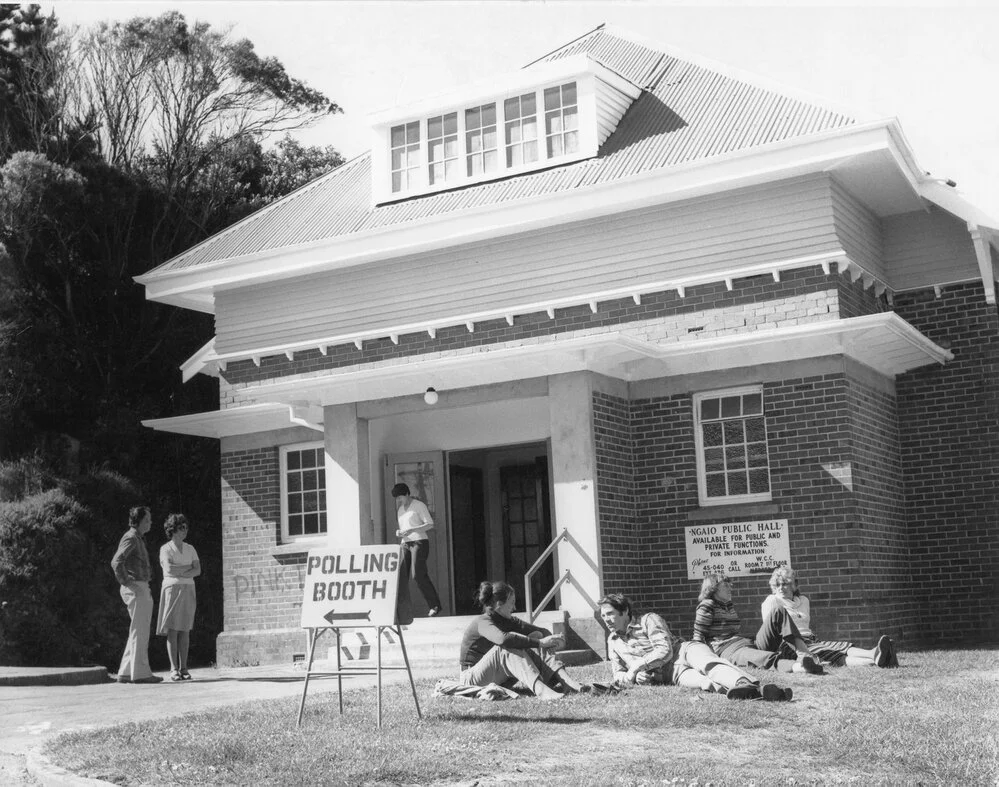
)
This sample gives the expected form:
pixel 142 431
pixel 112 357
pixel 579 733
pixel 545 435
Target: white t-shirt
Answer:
pixel 171 559
pixel 414 515
pixel 798 609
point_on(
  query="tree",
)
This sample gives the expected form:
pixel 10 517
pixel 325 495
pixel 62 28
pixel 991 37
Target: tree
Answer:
pixel 158 143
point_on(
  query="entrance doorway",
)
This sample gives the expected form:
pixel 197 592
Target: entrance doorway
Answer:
pixel 500 505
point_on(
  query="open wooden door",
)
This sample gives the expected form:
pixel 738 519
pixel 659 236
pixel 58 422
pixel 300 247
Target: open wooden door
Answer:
pixel 424 473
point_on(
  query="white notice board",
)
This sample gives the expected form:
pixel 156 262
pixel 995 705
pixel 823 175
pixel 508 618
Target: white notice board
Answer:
pixel 737 549
pixel 355 586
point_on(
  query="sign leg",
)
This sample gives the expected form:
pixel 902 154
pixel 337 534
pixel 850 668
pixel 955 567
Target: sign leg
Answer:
pixel 409 671
pixel 379 635
pixel 339 671
pixel 308 671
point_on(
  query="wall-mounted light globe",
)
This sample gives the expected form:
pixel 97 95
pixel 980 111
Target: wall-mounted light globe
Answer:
pixel 430 397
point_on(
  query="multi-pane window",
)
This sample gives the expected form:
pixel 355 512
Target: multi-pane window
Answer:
pixel 480 140
pixel 489 138
pixel 405 156
pixel 442 148
pixel 733 463
pixel 561 120
pixel 521 119
pixel 303 490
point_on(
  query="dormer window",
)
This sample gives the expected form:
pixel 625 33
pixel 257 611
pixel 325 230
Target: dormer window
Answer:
pixel 521 130
pixel 442 147
pixel 549 114
pixel 561 120
pixel 480 140
pixel 405 156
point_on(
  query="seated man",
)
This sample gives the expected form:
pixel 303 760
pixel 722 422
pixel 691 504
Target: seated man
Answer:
pixel 644 651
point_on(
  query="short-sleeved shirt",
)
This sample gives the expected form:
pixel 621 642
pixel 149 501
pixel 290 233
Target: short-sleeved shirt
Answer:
pixel 414 515
pixel 172 559
pixel 798 609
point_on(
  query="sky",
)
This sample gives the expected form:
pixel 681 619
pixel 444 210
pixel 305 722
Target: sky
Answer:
pixel 934 67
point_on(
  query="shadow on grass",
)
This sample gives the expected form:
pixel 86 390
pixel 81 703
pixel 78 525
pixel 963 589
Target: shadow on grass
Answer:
pixel 492 717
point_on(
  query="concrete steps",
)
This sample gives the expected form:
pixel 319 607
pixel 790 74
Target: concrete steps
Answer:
pixel 435 639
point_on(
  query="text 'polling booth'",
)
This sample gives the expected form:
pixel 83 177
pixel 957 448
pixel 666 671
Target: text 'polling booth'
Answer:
pixel 355 587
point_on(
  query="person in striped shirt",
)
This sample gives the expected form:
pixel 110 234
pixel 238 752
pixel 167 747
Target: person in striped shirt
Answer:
pixel 717 625
pixel 644 651
pixel 786 596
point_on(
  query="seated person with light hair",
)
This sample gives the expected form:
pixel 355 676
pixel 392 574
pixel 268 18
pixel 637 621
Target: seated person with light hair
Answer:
pixel 644 651
pixel 786 596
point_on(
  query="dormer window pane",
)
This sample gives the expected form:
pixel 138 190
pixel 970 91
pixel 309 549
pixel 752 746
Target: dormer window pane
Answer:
pixel 442 148
pixel 405 156
pixel 480 139
pixel 521 130
pixel 561 120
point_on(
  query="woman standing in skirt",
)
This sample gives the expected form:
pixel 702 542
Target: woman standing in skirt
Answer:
pixel 177 600
pixel 786 596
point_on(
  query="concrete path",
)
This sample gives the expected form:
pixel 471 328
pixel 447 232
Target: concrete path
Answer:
pixel 31 714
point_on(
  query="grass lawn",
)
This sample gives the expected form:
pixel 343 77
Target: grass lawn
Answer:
pixel 933 721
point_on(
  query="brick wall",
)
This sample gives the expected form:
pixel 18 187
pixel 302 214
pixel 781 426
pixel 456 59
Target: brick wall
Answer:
pixel 261 589
pixel 818 428
pixel 615 486
pixel 949 421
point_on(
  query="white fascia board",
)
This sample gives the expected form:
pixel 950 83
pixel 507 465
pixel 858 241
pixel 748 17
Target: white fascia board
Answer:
pixel 739 169
pixel 200 362
pixel 227 423
pixel 884 342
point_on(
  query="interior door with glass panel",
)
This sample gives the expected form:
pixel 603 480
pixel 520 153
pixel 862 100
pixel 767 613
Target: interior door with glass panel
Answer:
pixel 424 474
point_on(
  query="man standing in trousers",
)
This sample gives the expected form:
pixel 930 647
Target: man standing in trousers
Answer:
pixel 132 570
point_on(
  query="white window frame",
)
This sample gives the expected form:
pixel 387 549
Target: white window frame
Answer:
pixel 586 133
pixel 702 492
pixel 286 538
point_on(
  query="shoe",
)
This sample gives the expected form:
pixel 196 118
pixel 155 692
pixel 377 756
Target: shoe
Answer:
pixel 744 691
pixel 882 652
pixel 434 612
pixel 176 676
pixel 123 679
pixel 774 693
pixel 810 665
pixel 185 675
pixel 150 679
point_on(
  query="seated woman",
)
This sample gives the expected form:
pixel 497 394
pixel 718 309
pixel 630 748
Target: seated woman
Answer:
pixel 499 648
pixel 717 625
pixel 786 596
pixel 644 651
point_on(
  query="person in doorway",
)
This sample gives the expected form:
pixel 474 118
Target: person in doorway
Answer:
pixel 786 596
pixel 778 643
pixel 414 522
pixel 644 651
pixel 133 572
pixel 499 648
pixel 180 565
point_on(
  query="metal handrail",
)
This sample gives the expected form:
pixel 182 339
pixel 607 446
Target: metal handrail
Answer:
pixel 566 577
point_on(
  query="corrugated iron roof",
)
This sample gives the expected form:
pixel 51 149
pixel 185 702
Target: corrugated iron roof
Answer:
pixel 686 112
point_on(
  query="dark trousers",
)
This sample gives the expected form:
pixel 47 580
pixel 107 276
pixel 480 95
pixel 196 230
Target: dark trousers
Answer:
pixel 414 566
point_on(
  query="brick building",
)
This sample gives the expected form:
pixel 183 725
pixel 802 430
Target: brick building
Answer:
pixel 656 300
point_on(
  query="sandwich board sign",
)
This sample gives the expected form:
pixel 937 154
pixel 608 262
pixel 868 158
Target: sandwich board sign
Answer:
pixel 357 586
pixel 353 587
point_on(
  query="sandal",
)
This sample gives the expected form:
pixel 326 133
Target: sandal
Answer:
pixel 185 675
pixel 175 676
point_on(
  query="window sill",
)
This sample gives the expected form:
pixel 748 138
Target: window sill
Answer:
pixel 739 511
pixel 297 547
